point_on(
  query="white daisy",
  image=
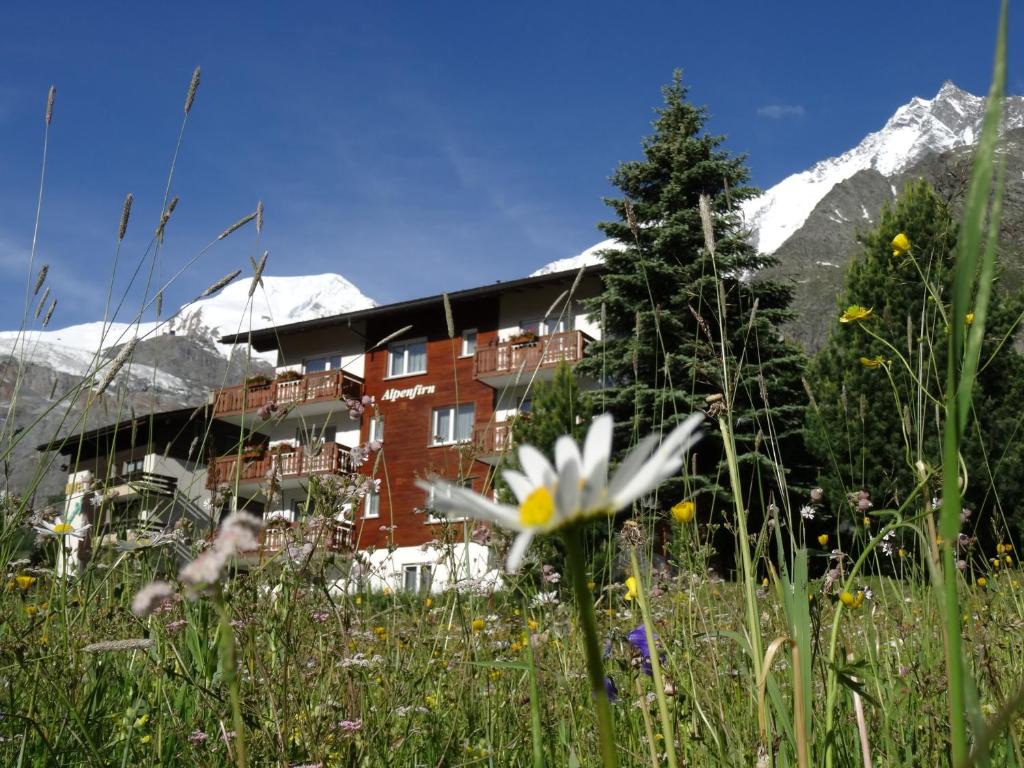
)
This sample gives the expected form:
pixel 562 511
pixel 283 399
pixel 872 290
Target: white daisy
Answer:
pixel 576 488
pixel 60 528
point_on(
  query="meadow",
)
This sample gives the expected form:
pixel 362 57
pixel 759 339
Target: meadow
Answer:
pixel 464 679
pixel 890 637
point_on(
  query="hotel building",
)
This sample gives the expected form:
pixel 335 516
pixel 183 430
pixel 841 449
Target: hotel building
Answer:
pixel 444 383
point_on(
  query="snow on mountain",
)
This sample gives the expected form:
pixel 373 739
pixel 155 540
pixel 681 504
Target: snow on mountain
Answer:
pixel 281 300
pixel 586 258
pixel 923 126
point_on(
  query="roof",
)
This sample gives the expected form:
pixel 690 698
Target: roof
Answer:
pixel 69 443
pixel 264 339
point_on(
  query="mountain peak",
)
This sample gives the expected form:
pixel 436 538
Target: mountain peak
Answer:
pixel 920 127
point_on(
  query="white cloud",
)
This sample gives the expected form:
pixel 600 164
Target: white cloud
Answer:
pixel 780 111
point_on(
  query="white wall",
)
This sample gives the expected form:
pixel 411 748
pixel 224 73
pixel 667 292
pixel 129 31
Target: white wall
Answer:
pixel 517 307
pixel 386 570
pixel 325 341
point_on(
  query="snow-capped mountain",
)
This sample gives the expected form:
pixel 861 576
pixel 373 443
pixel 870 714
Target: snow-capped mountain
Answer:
pixel 590 256
pixel 281 300
pixel 921 127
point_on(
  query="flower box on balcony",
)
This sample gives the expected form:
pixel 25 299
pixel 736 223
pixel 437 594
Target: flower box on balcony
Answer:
pixel 259 380
pixel 524 338
pixel 289 375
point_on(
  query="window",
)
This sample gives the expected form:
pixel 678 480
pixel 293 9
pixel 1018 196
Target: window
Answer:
pixel 134 465
pixel 545 327
pixel 298 509
pixel 371 506
pixel 452 424
pixel 325 363
pixel 376 428
pixel 417 577
pixel 469 342
pixel 407 357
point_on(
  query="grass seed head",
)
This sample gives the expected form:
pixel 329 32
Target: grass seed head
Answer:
pixel 192 88
pixel 40 279
pixel 237 225
pixel 126 212
pixel 49 313
pixel 224 281
pixel 115 367
pixel 49 103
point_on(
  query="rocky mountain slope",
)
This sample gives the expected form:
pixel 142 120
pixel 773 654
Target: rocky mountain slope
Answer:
pixel 811 220
pixel 49 375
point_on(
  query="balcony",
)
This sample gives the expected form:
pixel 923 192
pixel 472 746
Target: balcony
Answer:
pixel 491 441
pixel 254 467
pixel 528 359
pixel 325 535
pixel 140 483
pixel 315 393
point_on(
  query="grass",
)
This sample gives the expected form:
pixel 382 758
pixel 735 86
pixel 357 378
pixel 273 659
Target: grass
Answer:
pixel 895 657
pixel 367 679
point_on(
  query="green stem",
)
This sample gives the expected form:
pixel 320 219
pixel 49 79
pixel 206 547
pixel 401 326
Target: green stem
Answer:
pixel 588 621
pixel 753 621
pixel 227 651
pixel 659 680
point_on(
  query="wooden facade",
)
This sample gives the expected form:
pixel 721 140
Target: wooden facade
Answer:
pixel 506 336
pixel 410 454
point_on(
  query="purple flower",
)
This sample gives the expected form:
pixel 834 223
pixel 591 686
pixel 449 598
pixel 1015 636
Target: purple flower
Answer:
pixel 350 726
pixel 638 639
pixel 611 690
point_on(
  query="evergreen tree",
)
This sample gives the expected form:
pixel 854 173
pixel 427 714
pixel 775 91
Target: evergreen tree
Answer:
pixel 665 337
pixel 557 408
pixel 877 384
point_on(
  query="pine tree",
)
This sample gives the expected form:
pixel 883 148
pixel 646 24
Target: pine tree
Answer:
pixel 873 416
pixel 665 338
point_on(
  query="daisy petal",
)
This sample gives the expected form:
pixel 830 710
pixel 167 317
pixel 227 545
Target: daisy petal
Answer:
pixel 566 453
pixel 519 483
pixel 664 463
pixel 518 551
pixel 597 447
pixel 459 502
pixel 535 466
pixel 567 495
pixel 632 463
pixel 652 474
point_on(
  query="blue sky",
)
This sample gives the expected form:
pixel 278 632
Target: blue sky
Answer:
pixel 417 147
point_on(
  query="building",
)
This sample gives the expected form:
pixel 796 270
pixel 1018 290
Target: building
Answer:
pixel 436 386
pixel 141 476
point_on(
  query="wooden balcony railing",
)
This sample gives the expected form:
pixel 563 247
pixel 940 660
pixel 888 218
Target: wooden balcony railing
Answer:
pixel 492 439
pixel 324 534
pixel 332 458
pixel 322 386
pixel 541 352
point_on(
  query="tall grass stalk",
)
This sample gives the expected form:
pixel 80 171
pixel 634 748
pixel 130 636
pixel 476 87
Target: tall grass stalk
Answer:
pixel 974 273
pixel 659 679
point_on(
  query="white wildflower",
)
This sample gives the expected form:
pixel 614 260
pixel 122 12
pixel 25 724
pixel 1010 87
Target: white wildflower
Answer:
pixel 577 488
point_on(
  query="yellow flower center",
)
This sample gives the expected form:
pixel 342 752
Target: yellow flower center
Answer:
pixel 537 508
pixel 63 528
